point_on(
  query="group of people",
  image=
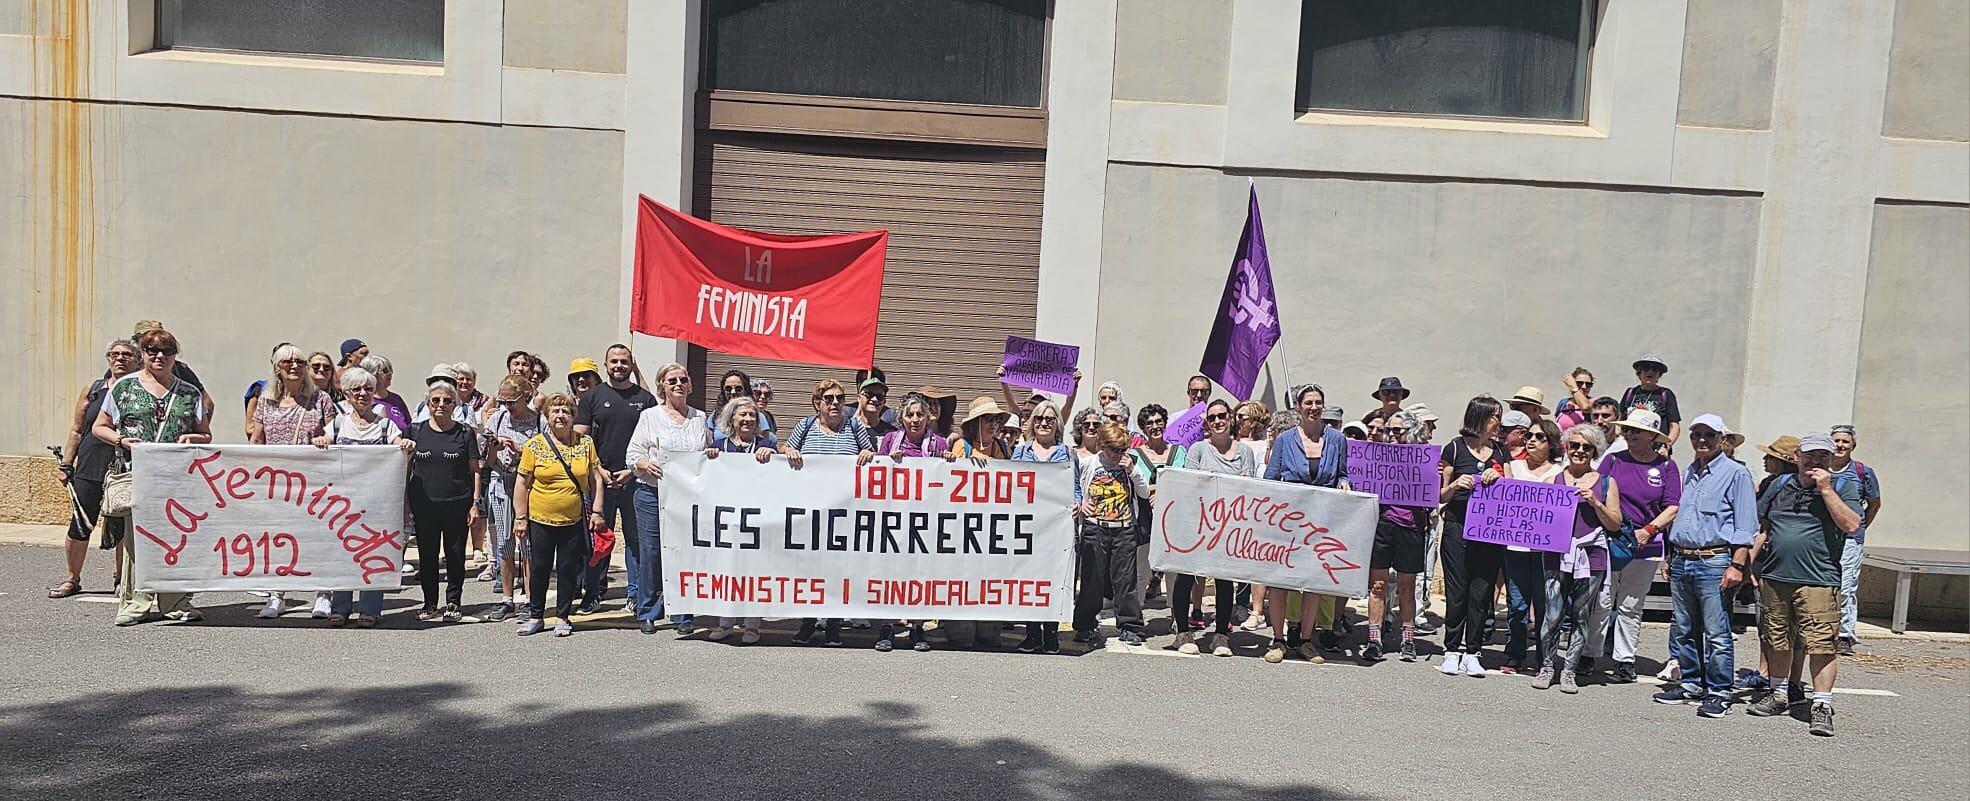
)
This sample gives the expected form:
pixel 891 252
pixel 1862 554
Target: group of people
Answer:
pixel 544 472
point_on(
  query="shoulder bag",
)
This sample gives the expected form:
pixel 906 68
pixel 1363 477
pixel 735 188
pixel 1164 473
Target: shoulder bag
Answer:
pixel 600 543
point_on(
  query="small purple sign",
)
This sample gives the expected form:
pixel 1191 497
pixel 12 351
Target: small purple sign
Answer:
pixel 1528 514
pixel 1400 475
pixel 1186 428
pixel 1044 366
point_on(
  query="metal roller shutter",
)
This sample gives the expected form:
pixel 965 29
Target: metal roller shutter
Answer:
pixel 964 248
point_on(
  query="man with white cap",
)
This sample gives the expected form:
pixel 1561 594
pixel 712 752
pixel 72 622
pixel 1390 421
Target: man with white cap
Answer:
pixel 1807 520
pixel 1511 430
pixel 1708 552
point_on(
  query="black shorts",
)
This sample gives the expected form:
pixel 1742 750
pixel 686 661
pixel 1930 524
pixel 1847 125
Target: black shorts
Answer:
pixel 1398 547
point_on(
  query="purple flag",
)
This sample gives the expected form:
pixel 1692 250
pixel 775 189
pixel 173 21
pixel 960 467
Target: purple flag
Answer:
pixel 1248 316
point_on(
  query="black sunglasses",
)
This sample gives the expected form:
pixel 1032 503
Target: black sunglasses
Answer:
pixel 1212 418
pixel 160 351
pixel 1580 446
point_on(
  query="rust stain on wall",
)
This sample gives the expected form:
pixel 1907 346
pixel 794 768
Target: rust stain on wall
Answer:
pixel 62 144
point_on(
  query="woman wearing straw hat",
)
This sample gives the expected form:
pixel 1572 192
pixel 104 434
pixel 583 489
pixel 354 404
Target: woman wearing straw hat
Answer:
pixel 1651 488
pixel 1531 401
pixel 977 441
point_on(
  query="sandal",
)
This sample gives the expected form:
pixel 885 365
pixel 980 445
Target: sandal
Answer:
pixel 427 613
pixel 337 620
pixel 364 622
pixel 65 589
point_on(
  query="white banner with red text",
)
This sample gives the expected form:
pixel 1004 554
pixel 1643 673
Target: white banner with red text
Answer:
pixel 267 517
pixel 910 539
pixel 1270 532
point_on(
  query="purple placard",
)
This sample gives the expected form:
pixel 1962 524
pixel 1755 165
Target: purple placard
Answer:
pixel 1186 428
pixel 1045 366
pixel 1400 475
pixel 1529 514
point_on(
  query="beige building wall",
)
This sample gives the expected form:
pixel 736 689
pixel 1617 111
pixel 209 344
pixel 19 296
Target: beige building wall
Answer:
pixel 432 241
pixel 566 34
pixel 1927 97
pixel 1461 288
pixel 1729 50
pixel 1172 51
pixel 1912 402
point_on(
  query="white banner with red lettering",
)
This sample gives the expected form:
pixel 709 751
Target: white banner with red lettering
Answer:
pixel 267 517
pixel 1270 532
pixel 911 539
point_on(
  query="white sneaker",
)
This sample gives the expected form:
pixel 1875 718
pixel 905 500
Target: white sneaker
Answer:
pixel 321 606
pixel 1187 643
pixel 1472 667
pixel 273 608
pixel 1220 645
pixel 1451 660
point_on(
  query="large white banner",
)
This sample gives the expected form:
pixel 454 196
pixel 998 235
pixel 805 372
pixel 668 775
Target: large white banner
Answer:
pixel 267 517
pixel 1271 532
pixel 919 538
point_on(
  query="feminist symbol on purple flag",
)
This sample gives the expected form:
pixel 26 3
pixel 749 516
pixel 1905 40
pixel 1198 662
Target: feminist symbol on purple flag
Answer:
pixel 1247 324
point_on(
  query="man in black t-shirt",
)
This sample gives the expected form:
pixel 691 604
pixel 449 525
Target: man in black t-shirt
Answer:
pixel 608 413
pixel 1650 394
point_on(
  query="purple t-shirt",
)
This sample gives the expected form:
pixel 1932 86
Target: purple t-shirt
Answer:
pixel 1646 490
pixel 931 445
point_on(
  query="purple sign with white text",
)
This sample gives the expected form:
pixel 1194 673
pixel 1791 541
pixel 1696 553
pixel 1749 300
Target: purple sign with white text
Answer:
pixel 1528 514
pixel 1044 366
pixel 1187 427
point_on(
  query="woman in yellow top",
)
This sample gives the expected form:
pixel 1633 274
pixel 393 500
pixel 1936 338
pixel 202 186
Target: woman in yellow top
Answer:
pixel 554 498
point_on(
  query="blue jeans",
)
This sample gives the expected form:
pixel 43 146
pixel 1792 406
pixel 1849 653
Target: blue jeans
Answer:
pixel 1850 584
pixel 648 598
pixel 618 512
pixel 1525 606
pixel 1700 626
pixel 369 603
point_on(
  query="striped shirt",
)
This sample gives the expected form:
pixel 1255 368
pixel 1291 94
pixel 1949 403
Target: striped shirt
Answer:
pixel 812 440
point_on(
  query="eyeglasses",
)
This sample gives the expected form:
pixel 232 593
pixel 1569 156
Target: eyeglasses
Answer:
pixel 1580 447
pixel 731 390
pixel 160 351
pixel 1395 431
pixel 677 381
pixel 1049 419
pixel 1535 435
pixel 440 400
pixel 292 362
pixel 1090 424
pixel 875 397
pixel 120 354
pixel 832 398
pixel 1704 435
pixel 321 368
pixel 762 395
pixel 1584 385
pixel 1156 422
pixel 1212 418
pixel 1116 418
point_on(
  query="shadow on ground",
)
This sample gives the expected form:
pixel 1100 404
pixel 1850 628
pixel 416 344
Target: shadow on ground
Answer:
pixel 225 742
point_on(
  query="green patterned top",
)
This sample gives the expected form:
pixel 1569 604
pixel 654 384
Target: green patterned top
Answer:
pixel 137 413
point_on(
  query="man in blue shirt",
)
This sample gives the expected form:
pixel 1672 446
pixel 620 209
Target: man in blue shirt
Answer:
pixel 1707 552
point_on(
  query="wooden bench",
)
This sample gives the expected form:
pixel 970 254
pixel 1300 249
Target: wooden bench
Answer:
pixel 1906 563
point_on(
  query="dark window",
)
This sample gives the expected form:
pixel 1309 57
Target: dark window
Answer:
pixel 1484 58
pixel 395 30
pixel 983 52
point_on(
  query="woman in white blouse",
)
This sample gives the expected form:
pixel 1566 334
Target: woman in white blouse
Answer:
pixel 671 427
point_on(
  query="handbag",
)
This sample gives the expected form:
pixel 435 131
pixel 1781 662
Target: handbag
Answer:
pixel 600 543
pixel 1622 547
pixel 117 496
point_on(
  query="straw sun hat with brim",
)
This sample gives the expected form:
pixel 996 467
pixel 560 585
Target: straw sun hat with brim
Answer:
pixel 1785 449
pixel 1644 420
pixel 1530 395
pixel 983 406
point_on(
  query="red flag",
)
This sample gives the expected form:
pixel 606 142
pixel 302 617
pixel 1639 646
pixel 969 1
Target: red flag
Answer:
pixel 810 299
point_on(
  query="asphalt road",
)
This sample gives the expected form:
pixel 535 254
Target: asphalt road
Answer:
pixel 238 708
